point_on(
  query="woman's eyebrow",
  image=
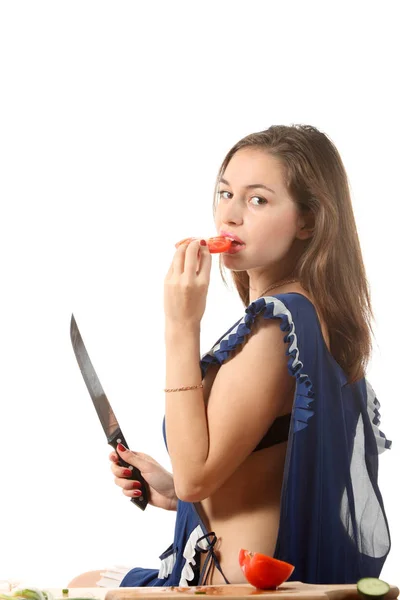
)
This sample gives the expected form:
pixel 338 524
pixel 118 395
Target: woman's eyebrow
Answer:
pixel 250 186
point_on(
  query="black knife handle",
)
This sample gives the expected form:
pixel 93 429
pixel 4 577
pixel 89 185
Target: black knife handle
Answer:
pixel 141 501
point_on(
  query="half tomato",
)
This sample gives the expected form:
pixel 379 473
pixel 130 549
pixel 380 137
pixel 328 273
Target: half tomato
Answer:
pixel 262 571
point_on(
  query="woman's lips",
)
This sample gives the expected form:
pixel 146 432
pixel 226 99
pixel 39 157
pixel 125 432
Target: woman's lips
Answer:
pixel 236 244
pixel 231 236
pixel 235 248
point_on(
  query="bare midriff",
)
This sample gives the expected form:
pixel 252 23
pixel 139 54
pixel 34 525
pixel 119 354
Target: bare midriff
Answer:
pixel 244 512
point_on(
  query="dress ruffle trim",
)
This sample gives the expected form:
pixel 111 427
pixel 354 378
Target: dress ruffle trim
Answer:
pixel 168 560
pixel 373 407
pixel 270 308
pixel 189 552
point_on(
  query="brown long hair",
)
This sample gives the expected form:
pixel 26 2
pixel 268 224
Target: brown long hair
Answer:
pixel 331 267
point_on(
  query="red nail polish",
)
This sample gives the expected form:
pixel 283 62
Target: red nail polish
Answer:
pixel 127 472
pixel 137 493
pixel 121 448
pixel 203 243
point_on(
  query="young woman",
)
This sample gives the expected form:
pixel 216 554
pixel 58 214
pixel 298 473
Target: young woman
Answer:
pixel 273 434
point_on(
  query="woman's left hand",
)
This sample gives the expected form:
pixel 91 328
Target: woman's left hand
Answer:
pixel 186 284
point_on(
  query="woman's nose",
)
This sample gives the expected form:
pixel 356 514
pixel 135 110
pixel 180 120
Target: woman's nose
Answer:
pixel 231 211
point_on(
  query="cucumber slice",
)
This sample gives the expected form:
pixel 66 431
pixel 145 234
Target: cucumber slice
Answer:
pixel 372 587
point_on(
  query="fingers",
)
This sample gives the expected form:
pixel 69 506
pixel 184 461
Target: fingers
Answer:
pixel 178 262
pixel 127 455
pixel 205 263
pixel 122 478
pixel 132 493
pixel 114 457
pixel 193 259
pixel 130 487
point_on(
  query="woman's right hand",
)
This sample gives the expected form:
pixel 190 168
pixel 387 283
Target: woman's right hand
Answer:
pixel 160 481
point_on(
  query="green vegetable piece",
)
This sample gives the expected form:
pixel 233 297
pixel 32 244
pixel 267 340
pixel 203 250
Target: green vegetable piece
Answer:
pixel 29 594
pixel 372 588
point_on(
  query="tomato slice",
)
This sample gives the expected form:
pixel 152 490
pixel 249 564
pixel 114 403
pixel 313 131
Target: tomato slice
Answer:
pixel 218 244
pixel 262 571
pixel 215 244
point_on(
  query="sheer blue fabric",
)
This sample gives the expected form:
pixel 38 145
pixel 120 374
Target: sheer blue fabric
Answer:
pixel 333 526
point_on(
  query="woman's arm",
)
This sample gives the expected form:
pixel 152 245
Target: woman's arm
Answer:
pixel 253 387
pixel 207 445
pixel 185 293
pixel 185 413
pixel 174 504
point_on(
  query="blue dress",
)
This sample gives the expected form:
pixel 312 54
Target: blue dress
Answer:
pixel 333 526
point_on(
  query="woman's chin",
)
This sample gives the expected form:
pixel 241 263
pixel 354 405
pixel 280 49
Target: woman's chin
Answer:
pixel 233 262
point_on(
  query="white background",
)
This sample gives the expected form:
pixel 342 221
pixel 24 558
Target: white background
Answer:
pixel 114 119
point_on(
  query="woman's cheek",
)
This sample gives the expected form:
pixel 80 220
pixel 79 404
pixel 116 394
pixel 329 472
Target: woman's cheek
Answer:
pixel 280 240
pixel 285 227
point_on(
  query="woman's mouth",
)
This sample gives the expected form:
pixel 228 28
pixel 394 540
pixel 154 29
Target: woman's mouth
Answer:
pixel 235 247
pixel 236 243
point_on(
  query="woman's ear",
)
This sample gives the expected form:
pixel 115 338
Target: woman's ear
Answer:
pixel 305 225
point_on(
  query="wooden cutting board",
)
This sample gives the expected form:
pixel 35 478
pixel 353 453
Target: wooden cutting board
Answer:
pixel 292 590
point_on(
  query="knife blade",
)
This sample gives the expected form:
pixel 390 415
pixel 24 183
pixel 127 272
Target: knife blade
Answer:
pixel 103 408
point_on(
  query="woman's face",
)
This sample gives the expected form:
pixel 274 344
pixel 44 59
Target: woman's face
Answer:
pixel 266 220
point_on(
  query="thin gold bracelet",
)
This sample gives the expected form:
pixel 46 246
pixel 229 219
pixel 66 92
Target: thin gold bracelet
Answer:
pixel 183 389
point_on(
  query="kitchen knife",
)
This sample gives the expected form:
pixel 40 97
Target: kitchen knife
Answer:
pixel 103 409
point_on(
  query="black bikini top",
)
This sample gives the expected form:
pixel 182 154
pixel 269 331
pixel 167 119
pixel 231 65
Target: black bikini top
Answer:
pixel 277 433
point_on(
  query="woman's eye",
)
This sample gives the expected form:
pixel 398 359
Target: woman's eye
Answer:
pixel 263 201
pixel 223 192
pixel 260 198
